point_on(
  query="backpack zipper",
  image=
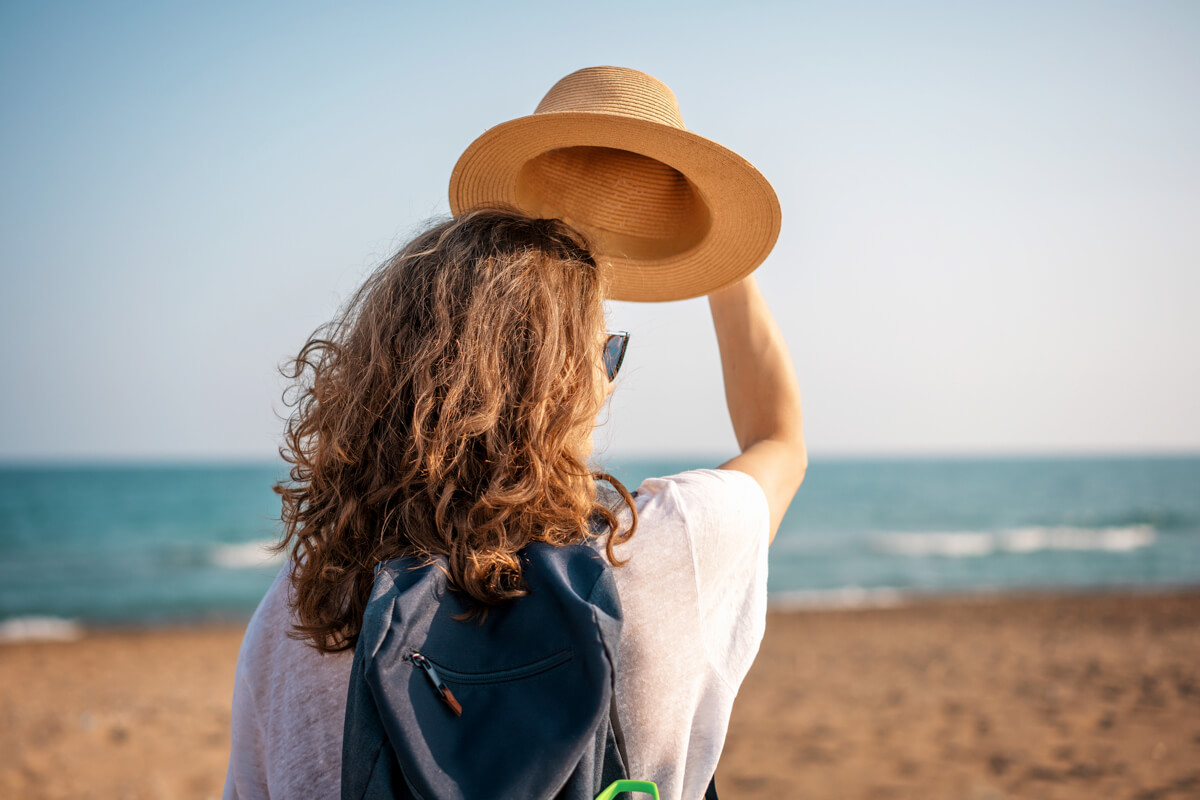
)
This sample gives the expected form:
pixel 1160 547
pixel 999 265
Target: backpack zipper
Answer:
pixel 500 676
pixel 434 673
pixel 439 685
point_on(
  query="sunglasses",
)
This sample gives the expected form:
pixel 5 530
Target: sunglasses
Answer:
pixel 614 351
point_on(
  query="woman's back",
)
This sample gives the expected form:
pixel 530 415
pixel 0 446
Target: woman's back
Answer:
pixel 693 592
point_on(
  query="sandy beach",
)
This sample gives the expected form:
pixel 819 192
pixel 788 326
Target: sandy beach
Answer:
pixel 1036 696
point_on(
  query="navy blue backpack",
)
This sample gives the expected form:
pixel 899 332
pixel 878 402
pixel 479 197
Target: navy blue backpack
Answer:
pixel 518 706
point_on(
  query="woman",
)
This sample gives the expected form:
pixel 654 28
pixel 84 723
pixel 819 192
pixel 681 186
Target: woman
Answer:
pixel 449 409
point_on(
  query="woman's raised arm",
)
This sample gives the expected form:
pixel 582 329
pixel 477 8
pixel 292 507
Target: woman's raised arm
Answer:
pixel 762 393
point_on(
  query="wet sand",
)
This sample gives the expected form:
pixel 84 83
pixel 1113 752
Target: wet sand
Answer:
pixel 1055 697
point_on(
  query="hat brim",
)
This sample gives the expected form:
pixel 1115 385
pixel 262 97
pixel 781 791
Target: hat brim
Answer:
pixel 743 210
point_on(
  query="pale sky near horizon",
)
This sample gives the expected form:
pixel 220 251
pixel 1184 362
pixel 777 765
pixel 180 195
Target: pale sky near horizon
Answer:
pixel 991 215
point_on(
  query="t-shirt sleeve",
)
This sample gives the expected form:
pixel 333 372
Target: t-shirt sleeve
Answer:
pixel 728 521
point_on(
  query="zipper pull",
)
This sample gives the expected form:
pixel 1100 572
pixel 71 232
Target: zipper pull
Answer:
pixel 439 685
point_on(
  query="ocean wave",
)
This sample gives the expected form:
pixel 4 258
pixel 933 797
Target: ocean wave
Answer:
pixel 974 544
pixel 39 629
pixel 842 597
pixel 247 555
pixel 1161 519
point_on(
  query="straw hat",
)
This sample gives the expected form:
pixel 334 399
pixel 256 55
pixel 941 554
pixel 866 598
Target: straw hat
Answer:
pixel 675 214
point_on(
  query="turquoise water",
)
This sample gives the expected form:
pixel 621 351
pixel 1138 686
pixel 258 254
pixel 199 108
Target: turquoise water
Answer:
pixel 158 544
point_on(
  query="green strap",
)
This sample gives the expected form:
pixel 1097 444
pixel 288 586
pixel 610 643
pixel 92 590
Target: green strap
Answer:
pixel 610 792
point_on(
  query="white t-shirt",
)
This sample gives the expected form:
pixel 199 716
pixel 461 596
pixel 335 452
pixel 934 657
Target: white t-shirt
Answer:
pixel 694 598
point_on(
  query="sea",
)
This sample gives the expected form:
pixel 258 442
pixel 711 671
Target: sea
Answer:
pixel 165 544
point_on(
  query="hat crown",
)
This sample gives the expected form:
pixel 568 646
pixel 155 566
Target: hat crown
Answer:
pixel 614 90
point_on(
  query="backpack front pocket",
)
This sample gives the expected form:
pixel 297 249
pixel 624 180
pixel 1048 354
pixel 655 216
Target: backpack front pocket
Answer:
pixel 438 674
pixel 492 676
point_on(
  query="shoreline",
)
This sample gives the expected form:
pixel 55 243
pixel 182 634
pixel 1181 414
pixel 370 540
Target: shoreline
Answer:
pixel 853 598
pixel 1064 695
pixel 49 629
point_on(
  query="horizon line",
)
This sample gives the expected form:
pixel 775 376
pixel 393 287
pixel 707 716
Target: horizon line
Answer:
pixel 231 460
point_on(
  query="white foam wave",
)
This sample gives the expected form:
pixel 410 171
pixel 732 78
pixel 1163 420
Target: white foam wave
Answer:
pixel 973 544
pixel 247 555
pixel 39 629
pixel 842 597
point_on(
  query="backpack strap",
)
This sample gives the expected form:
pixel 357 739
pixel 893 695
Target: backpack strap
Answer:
pixel 615 719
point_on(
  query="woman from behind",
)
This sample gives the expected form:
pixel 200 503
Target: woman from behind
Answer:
pixel 448 410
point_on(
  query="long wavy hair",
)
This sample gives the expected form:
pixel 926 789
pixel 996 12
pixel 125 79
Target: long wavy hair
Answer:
pixel 441 413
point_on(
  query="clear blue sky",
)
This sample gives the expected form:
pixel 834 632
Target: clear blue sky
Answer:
pixel 991 215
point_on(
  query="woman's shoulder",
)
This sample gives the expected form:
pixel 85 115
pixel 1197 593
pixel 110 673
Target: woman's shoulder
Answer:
pixel 704 480
pixel 705 496
pixel 268 646
pixel 712 511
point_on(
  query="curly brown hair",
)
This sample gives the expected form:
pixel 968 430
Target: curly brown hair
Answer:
pixel 441 413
